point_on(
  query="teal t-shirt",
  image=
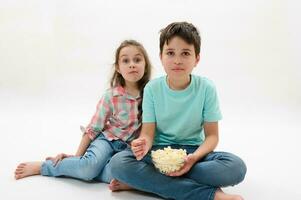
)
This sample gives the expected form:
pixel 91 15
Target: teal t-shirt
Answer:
pixel 180 115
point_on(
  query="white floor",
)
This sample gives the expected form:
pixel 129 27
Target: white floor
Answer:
pixel 54 61
pixel 266 137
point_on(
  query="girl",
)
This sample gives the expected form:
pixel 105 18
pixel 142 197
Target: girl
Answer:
pixel 115 124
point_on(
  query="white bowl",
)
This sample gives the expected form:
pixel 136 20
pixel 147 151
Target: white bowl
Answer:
pixel 168 160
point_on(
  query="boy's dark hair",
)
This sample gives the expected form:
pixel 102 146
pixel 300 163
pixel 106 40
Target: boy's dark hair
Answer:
pixel 187 31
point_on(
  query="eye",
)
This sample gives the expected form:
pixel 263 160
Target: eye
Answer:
pixel 186 53
pixel 137 60
pixel 125 60
pixel 170 53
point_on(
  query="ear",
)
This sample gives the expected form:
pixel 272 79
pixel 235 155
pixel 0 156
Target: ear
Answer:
pixel 117 68
pixel 160 55
pixel 197 59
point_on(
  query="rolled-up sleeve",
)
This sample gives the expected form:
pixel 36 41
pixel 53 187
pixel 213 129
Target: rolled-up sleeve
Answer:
pixel 99 119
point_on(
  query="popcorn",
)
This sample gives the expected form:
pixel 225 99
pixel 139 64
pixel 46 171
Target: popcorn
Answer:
pixel 168 160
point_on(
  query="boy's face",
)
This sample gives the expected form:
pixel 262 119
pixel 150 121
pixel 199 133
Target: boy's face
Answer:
pixel 178 58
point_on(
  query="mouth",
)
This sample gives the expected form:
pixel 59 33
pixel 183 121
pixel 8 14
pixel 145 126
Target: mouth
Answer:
pixel 133 72
pixel 177 69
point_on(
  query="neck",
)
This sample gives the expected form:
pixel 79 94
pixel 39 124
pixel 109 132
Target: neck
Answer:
pixel 179 84
pixel 132 89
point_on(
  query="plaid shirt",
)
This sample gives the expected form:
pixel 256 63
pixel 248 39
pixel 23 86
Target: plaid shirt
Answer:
pixel 117 116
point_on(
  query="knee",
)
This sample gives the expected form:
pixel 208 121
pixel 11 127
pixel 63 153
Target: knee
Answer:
pixel 243 169
pixel 89 171
pixel 119 165
pixel 239 168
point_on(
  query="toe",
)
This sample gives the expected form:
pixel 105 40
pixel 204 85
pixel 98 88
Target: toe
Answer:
pixel 22 165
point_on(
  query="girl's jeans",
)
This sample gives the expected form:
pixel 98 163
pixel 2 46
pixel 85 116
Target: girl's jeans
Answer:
pixel 215 170
pixel 91 166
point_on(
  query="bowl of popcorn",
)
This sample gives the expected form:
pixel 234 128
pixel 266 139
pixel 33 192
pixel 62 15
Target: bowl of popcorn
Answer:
pixel 168 160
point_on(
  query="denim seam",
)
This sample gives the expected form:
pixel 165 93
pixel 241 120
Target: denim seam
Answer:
pixel 212 194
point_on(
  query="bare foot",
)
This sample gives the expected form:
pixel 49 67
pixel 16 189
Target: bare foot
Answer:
pixel 220 195
pixel 27 169
pixel 115 185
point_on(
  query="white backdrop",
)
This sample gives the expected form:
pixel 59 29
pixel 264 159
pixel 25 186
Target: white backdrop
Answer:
pixel 56 58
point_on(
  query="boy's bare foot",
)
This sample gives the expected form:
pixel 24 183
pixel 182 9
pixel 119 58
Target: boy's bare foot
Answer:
pixel 115 185
pixel 220 195
pixel 27 169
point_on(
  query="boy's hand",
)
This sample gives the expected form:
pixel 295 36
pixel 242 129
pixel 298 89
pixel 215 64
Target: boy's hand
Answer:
pixel 58 158
pixel 190 160
pixel 140 147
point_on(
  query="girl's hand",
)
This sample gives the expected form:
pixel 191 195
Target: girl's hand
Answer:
pixel 140 147
pixel 58 158
pixel 189 161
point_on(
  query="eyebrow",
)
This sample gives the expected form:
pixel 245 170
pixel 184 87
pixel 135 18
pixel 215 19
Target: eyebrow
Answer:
pixel 138 54
pixel 169 49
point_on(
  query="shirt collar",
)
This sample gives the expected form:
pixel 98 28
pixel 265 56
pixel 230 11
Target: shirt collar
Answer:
pixel 120 91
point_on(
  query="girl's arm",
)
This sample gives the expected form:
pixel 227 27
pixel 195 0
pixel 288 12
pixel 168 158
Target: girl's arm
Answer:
pixel 209 144
pixel 144 142
pixel 98 121
pixel 84 144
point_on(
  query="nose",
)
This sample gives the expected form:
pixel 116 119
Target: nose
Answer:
pixel 132 65
pixel 177 60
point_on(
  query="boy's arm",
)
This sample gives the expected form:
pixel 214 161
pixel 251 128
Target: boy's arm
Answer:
pixel 144 142
pixel 211 140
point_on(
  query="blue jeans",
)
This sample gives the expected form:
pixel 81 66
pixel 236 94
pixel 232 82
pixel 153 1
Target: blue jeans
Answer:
pixel 91 166
pixel 215 170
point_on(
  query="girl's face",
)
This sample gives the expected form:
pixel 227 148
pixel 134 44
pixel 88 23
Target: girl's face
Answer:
pixel 131 64
pixel 178 58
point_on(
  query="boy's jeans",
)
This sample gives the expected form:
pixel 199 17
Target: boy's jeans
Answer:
pixel 91 166
pixel 215 170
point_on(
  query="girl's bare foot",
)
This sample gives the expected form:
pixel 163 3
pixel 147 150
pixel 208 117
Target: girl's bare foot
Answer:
pixel 220 195
pixel 115 185
pixel 27 169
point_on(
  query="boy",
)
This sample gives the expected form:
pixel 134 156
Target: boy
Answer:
pixel 180 110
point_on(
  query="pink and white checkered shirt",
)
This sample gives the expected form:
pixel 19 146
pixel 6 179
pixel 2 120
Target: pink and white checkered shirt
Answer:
pixel 117 116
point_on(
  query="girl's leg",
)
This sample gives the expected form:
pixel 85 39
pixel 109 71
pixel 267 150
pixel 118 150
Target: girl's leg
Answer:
pixel 85 167
pixel 105 175
pixel 218 169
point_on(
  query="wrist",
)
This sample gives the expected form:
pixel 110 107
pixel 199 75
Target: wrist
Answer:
pixel 78 154
pixel 194 157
